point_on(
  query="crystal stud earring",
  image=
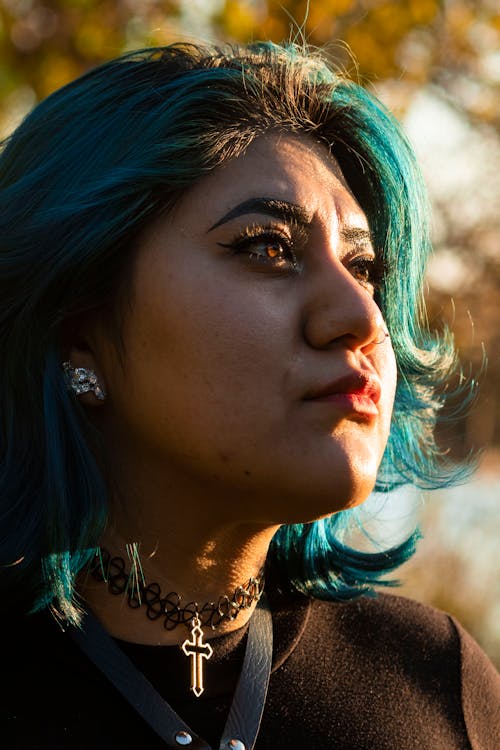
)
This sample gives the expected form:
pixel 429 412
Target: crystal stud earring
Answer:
pixel 82 380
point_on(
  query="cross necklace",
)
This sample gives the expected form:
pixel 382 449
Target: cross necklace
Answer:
pixel 198 651
pixel 243 721
pixel 167 608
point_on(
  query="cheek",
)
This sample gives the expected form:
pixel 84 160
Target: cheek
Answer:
pixel 387 369
pixel 391 373
pixel 200 366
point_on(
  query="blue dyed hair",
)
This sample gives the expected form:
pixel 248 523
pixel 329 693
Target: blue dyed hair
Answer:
pixel 80 178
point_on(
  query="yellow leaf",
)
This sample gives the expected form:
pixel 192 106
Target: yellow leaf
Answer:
pixel 423 11
pixel 239 19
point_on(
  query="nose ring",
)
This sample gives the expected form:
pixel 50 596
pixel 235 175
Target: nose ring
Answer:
pixel 384 334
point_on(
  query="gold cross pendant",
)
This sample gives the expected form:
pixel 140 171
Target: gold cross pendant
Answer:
pixel 197 650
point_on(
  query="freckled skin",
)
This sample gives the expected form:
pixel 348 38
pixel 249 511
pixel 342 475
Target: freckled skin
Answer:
pixel 210 441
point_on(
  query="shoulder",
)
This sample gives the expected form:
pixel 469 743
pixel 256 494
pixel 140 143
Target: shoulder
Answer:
pixel 378 672
pixel 480 691
pixel 401 627
pixel 386 627
pixel 391 609
pixel 408 646
pixel 401 635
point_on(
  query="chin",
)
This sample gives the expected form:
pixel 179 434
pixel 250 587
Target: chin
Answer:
pixel 318 493
pixel 309 502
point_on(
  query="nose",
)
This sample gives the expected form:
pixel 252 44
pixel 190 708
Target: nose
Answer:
pixel 340 310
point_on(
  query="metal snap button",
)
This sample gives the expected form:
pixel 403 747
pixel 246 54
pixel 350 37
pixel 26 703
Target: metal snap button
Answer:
pixel 183 738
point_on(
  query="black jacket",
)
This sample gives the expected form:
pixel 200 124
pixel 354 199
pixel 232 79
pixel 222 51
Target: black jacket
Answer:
pixel 381 673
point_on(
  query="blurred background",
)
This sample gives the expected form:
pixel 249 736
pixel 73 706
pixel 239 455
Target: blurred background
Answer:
pixel 436 64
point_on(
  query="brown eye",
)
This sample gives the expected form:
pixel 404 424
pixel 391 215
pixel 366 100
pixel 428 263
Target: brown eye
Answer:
pixel 267 249
pixel 273 251
pixel 276 252
pixel 365 270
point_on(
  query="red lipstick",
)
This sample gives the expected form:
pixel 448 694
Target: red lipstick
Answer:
pixel 357 392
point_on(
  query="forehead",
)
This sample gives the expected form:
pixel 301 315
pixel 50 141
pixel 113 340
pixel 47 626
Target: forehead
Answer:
pixel 279 166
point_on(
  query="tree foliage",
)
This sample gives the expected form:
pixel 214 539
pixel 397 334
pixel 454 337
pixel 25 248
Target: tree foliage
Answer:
pixel 453 43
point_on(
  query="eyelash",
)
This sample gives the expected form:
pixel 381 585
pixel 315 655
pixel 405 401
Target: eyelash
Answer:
pixel 369 271
pixel 251 238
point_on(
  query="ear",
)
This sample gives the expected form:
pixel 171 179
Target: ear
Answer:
pixel 82 362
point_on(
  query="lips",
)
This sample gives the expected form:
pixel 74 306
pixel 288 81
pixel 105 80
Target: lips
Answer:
pixel 358 391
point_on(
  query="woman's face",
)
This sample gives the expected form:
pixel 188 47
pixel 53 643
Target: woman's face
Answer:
pixel 252 378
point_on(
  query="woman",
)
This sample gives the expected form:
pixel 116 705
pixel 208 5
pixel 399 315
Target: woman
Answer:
pixel 212 351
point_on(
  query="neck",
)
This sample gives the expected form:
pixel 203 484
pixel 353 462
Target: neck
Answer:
pixel 214 566
pixel 189 537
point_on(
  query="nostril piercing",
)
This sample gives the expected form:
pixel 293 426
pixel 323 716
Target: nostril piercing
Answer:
pixel 385 335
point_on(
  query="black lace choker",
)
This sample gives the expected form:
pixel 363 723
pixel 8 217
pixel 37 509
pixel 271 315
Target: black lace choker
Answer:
pixel 113 571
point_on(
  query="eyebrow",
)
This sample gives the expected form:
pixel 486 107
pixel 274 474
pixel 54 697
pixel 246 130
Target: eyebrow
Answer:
pixel 280 209
pixel 357 235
